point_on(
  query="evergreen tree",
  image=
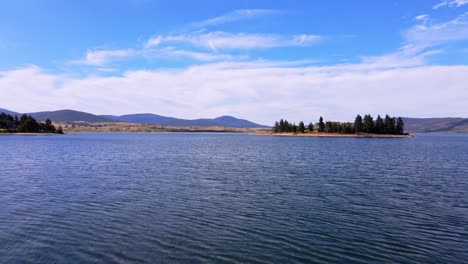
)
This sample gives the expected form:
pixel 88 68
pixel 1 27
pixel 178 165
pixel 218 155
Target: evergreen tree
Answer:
pixel 329 127
pixel 310 127
pixel 358 126
pixel 379 125
pixel 368 124
pixel 276 127
pixel 400 126
pixel 301 127
pixel 389 125
pixel 287 126
pixel 281 126
pixel 293 128
pixel 321 125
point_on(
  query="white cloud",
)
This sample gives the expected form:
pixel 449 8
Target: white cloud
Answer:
pixel 101 57
pixel 305 39
pixel 453 30
pixel 200 56
pixel 450 3
pixel 224 40
pixel 422 18
pixel 234 16
pixel 260 91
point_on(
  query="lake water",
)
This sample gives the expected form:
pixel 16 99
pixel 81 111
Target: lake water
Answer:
pixel 230 198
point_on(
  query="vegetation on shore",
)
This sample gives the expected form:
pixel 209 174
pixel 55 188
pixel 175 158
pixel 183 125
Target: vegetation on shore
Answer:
pixel 26 124
pixel 381 126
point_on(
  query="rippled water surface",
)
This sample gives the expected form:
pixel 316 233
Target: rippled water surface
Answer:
pixel 229 198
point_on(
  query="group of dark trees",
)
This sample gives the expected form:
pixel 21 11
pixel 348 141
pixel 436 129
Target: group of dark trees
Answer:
pixel 284 126
pixel 26 124
pixel 388 125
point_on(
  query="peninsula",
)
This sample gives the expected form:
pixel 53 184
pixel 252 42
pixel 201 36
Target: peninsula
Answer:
pixel 388 127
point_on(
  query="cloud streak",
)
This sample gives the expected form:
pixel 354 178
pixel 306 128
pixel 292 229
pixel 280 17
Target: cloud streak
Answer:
pixel 453 30
pixel 450 3
pixel 236 15
pixel 102 57
pixel 220 40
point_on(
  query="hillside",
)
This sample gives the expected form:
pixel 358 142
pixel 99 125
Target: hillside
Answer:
pixel 226 121
pixel 8 112
pixel 436 125
pixel 75 116
pixel 68 115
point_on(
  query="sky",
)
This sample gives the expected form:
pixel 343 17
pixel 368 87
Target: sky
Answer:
pixel 260 60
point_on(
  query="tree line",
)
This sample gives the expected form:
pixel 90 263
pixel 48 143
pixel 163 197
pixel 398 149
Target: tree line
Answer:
pixel 26 124
pixel 387 126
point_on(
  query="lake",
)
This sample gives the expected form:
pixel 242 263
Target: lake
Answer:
pixel 230 198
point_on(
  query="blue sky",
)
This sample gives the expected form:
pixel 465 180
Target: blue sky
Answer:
pixel 261 60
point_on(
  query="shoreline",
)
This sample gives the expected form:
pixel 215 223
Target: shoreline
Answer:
pixel 363 135
pixel 28 134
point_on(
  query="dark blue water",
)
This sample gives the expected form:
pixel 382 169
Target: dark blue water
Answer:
pixel 230 198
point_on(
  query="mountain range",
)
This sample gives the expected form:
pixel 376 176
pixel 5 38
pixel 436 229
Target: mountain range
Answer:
pixel 75 116
pixel 412 125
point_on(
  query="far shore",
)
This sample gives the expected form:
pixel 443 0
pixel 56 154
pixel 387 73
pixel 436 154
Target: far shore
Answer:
pixel 316 134
pixel 27 134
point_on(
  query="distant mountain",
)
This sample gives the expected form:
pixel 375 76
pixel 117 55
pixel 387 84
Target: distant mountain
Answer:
pixel 412 125
pixel 231 121
pixel 68 115
pixel 75 116
pixel 227 121
pixel 8 112
pixel 436 125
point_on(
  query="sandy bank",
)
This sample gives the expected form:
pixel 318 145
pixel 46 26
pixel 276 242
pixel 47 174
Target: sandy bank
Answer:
pixel 360 135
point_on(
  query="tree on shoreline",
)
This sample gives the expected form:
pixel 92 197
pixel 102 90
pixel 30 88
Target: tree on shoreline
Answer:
pixel 368 124
pixel 26 124
pixel 301 127
pixel 310 127
pixel 400 126
pixel 358 126
pixel 380 126
pixel 321 125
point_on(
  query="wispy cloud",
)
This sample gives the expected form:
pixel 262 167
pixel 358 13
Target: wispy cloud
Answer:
pixel 450 3
pixel 102 57
pixel 234 16
pixel 422 18
pixel 220 40
pixel 200 56
pixel 453 30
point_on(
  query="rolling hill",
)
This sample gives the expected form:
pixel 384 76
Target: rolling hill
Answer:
pixel 227 121
pixel 76 116
pixel 8 112
pixel 68 115
pixel 436 125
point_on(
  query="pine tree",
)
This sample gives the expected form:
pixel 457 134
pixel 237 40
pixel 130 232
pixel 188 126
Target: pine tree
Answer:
pixel 379 125
pixel 310 127
pixel 293 128
pixel 276 127
pixel 368 124
pixel 321 125
pixel 358 126
pixel 400 126
pixel 389 125
pixel 301 127
pixel 281 126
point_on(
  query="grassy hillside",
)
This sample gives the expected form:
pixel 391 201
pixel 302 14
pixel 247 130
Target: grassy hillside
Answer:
pixel 68 115
pixel 436 125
